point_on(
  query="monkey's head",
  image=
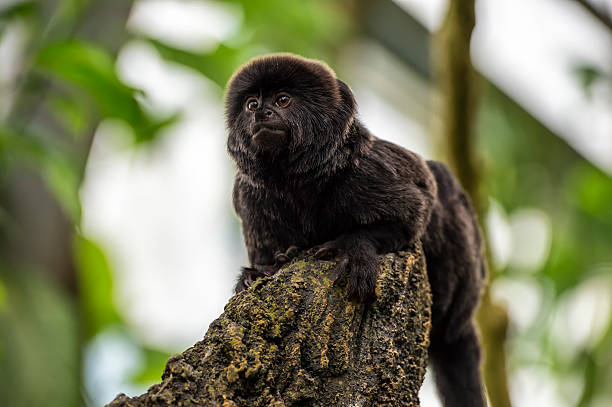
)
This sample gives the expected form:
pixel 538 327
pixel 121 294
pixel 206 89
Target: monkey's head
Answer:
pixel 288 111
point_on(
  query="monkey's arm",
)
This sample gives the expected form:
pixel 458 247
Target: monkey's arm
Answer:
pixel 265 236
pixel 390 196
pixel 388 199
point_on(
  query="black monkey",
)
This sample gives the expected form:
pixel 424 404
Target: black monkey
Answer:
pixel 310 174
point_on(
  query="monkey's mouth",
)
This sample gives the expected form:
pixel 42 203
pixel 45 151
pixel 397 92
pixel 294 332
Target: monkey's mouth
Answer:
pixel 268 137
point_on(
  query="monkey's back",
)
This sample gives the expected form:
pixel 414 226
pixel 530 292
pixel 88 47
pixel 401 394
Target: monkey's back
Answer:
pixel 454 254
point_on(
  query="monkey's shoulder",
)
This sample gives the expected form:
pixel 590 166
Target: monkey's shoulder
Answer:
pixel 384 162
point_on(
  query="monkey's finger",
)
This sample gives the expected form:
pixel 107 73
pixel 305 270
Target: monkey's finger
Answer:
pixel 269 271
pixel 326 251
pixel 281 258
pixel 340 272
pixel 261 270
pixel 291 251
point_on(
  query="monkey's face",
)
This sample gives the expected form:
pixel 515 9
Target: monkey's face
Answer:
pixel 286 109
pixel 268 116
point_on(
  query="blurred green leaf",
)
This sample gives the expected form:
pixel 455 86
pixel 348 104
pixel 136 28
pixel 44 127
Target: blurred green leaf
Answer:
pixel 54 160
pixel 2 296
pixel 91 68
pixel 39 364
pixel 591 190
pixel 565 265
pixel 152 367
pixel 217 65
pixel 306 27
pixel 96 287
pixel 17 10
pixel 588 75
pixel 63 178
pixel 71 112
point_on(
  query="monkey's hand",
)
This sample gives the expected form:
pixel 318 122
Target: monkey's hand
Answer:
pixel 357 267
pixel 250 274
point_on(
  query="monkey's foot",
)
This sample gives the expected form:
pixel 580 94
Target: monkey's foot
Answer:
pixel 251 274
pixel 356 269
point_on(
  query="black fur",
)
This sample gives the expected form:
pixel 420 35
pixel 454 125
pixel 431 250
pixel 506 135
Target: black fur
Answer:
pixel 310 174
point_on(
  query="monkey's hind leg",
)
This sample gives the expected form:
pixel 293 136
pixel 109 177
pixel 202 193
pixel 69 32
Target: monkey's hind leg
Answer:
pixel 456 369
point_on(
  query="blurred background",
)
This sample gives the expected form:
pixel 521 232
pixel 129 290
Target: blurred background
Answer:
pixel 118 242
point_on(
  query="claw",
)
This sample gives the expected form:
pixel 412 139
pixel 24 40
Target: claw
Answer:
pixel 252 274
pixel 281 258
pixel 248 272
pixel 340 273
pixel 326 251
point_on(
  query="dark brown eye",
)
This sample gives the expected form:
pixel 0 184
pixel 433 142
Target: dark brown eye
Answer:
pixel 283 101
pixel 252 104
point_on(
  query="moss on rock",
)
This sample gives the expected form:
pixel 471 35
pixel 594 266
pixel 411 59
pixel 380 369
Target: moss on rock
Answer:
pixel 296 340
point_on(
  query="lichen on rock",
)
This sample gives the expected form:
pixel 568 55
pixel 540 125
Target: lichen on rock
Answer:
pixel 295 339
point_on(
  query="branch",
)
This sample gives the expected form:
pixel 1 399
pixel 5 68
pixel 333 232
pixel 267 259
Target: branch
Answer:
pixel 295 340
pixel 597 13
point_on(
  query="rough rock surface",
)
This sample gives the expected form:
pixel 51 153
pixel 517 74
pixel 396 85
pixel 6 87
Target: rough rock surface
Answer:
pixel 295 340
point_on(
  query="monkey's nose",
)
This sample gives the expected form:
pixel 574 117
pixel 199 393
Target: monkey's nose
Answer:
pixel 264 114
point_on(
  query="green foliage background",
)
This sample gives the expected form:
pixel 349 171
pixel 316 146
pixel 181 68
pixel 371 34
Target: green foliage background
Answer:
pixel 68 83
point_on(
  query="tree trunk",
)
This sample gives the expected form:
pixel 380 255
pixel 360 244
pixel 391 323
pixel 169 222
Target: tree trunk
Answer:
pixel 458 84
pixel 295 340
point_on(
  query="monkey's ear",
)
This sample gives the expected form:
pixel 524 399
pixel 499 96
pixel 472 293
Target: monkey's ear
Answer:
pixel 347 99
